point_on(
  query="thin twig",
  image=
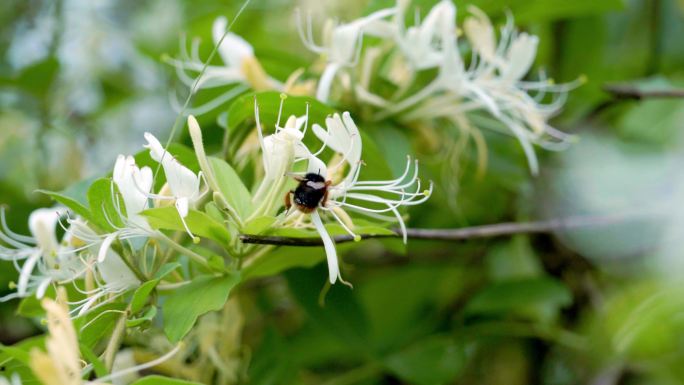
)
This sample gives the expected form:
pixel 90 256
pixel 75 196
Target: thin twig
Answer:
pixel 485 231
pixel 631 92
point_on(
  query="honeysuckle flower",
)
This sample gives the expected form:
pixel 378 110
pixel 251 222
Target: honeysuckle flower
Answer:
pixel 240 68
pixel 183 184
pixel 134 184
pixel 422 43
pixel 60 363
pixel 383 196
pixel 339 193
pixel 497 86
pixel 45 260
pixel 341 44
pixel 492 84
pixel 112 277
pixel 279 151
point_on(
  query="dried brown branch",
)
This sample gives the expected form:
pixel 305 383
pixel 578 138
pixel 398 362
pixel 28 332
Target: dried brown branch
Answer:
pixel 631 92
pixel 486 231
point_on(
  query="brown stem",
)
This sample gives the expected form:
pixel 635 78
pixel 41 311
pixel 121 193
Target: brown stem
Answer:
pixel 485 231
pixel 630 92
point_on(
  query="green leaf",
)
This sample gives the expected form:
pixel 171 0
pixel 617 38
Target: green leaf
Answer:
pixel 20 351
pixel 259 225
pixel 433 361
pixel 30 307
pixel 16 353
pixel 15 359
pixel 282 259
pixel 535 298
pixel 104 210
pixel 166 269
pixel 200 224
pixel 395 147
pixel 341 317
pixel 231 187
pixel 70 203
pixel 205 293
pixel 90 356
pixel 141 294
pixel 145 318
pixel 100 323
pixel 213 211
pixel 399 319
pixel 159 380
pixel 216 262
pixel 546 10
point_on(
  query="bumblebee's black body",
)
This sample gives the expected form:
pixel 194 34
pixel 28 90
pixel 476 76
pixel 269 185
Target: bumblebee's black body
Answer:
pixel 311 192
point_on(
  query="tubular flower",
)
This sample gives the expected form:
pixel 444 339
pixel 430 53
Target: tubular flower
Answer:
pixel 422 44
pixel 46 261
pixel 182 182
pixel 319 191
pixel 60 363
pixel 240 70
pixel 134 185
pixel 279 151
pixel 342 44
pixel 112 277
pixel 489 92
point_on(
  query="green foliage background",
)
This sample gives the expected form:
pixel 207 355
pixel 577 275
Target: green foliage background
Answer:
pixel 599 305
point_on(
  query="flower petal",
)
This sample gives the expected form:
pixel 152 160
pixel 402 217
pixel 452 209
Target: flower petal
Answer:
pixel 329 245
pixel 42 224
pixel 182 181
pixel 233 49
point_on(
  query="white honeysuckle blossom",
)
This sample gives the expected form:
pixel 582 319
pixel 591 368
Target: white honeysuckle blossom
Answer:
pixel 60 363
pixel 134 184
pixel 491 86
pixel 45 260
pixel 370 198
pixel 373 199
pixel 422 43
pixel 240 68
pixel 49 262
pixel 112 277
pixel 183 184
pixel 341 44
pixel 279 151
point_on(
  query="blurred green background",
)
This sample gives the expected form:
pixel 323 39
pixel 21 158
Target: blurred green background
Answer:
pixel 80 81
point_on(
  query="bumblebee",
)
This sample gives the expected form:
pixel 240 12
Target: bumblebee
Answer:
pixel 311 193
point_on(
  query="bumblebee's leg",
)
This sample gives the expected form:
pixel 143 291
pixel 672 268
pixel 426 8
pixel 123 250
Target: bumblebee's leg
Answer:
pixel 325 197
pixel 288 201
pixel 294 176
